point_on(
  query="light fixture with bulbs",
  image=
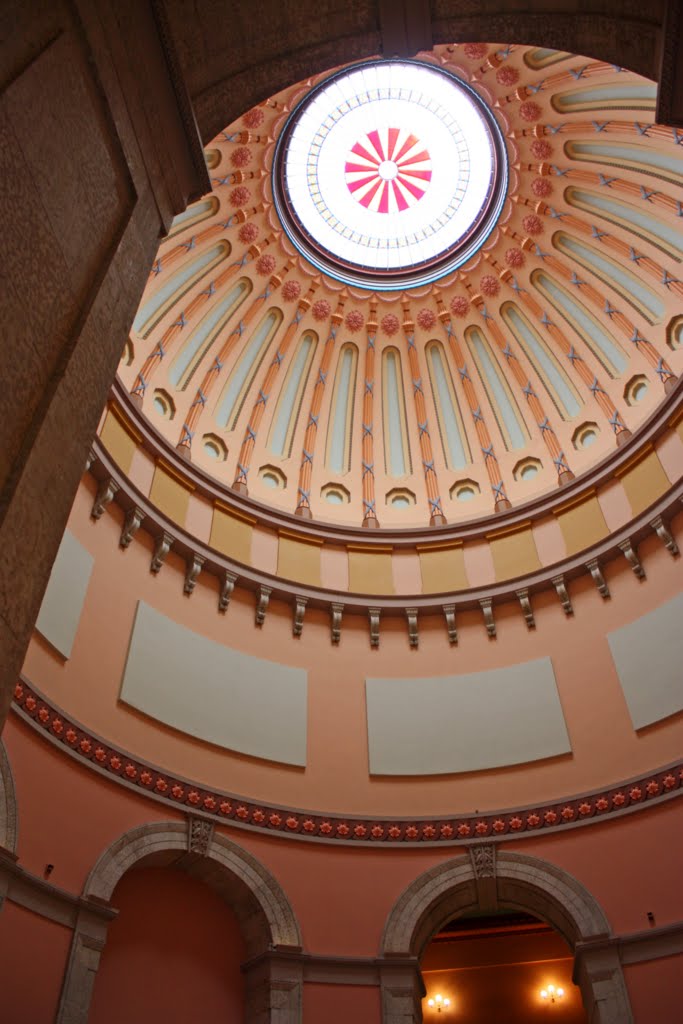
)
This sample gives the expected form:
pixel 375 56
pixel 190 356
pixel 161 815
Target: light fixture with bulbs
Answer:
pixel 439 1002
pixel 552 994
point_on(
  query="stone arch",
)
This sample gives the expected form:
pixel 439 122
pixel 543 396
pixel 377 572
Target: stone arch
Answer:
pixel 8 804
pixel 487 879
pixel 264 913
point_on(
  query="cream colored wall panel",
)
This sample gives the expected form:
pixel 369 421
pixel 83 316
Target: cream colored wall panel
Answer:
pixel 648 655
pixel 444 724
pixel 60 611
pixel 210 691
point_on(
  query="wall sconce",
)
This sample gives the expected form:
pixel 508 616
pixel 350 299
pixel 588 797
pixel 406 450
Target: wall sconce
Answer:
pixel 439 1002
pixel 552 994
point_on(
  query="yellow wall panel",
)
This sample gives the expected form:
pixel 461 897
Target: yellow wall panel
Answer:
pixel 231 535
pixel 644 482
pixel 582 524
pixel 370 572
pixel 443 570
pixel 170 496
pixel 514 553
pixel 118 441
pixel 298 560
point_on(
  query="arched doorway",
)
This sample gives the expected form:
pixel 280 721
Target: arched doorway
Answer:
pixel 485 881
pixel 273 992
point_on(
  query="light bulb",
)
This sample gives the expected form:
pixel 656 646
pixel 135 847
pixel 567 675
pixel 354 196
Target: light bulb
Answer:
pixel 560 992
pixel 439 999
pixel 446 1002
pixel 430 1002
pixel 551 989
pixel 544 994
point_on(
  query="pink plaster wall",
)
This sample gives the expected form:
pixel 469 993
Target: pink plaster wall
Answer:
pixel 33 953
pixel 654 989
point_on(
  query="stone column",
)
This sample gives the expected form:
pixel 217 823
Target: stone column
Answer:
pixel 599 974
pixel 274 987
pixel 402 990
pixel 99 152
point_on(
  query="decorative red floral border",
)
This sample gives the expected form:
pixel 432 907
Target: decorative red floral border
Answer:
pixel 86 748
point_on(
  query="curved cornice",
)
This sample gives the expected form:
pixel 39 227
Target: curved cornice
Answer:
pixel 607 804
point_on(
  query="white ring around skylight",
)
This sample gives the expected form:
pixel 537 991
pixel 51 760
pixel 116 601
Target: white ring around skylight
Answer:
pixel 389 166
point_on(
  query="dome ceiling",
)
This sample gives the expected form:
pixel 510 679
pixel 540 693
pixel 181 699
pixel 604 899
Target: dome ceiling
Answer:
pixel 498 379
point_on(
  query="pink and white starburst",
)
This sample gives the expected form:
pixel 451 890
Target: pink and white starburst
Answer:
pixel 388 170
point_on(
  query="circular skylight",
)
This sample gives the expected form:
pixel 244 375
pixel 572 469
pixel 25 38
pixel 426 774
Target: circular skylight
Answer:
pixel 390 174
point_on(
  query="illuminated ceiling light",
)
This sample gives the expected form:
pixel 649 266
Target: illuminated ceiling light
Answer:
pixel 551 994
pixel 439 1003
pixel 390 174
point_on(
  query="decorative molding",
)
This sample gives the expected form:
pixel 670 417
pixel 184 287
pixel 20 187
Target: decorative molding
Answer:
pixel 192 571
pixel 557 575
pixel 199 835
pixel 131 524
pixel 483 860
pixel 262 604
pixel 299 612
pixel 162 546
pixel 41 897
pixel 600 805
pixel 336 612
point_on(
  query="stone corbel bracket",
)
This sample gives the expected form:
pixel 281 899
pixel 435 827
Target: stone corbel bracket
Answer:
pixel 162 546
pixel 486 605
pixel 596 572
pixel 449 614
pixel 665 535
pixel 299 612
pixel 192 571
pixel 336 612
pixel 226 589
pixel 631 556
pixel 105 495
pixel 373 615
pixel 563 594
pixel 413 637
pixel 131 525
pixel 527 610
pixel 262 604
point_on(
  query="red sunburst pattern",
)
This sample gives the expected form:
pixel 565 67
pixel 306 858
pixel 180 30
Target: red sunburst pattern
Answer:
pixel 388 170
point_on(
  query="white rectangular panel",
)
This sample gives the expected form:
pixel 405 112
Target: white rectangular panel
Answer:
pixel 217 694
pixel 63 601
pixel 465 723
pixel 648 655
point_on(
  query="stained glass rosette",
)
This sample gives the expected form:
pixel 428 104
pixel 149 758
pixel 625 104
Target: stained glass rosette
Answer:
pixel 390 174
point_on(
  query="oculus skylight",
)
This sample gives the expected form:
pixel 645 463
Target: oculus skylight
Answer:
pixel 390 174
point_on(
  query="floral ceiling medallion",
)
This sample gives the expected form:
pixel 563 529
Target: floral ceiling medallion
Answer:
pixel 390 174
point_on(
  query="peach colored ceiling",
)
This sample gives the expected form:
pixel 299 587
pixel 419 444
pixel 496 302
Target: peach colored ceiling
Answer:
pixel 564 323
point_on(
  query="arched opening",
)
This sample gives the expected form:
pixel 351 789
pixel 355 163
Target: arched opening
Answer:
pixel 173 953
pixel 484 883
pixel 499 965
pixel 144 868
